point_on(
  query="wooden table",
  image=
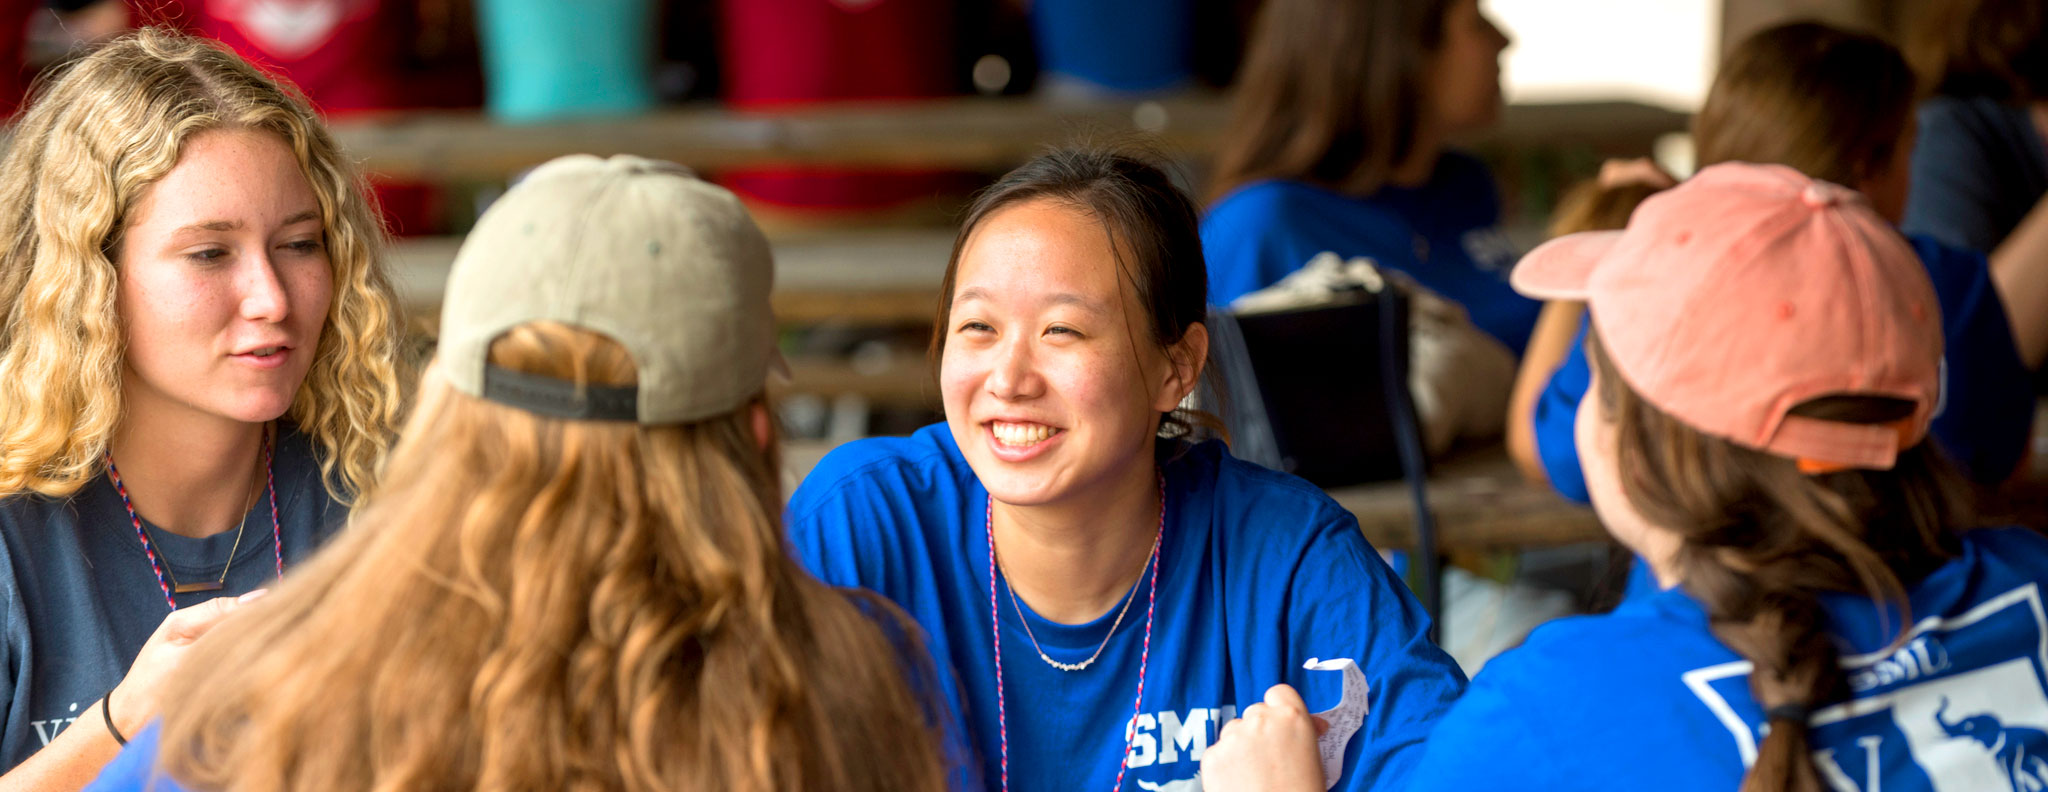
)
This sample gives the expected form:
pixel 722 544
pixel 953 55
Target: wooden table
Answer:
pixel 1481 503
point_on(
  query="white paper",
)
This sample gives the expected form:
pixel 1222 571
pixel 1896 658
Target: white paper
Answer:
pixel 1344 719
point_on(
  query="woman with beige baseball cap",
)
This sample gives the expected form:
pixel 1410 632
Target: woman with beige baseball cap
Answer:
pixel 1767 359
pixel 573 575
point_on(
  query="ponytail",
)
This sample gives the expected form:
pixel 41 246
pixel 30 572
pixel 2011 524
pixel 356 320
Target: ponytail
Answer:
pixel 1761 542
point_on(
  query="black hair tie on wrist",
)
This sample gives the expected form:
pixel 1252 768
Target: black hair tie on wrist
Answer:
pixel 107 714
pixel 1787 712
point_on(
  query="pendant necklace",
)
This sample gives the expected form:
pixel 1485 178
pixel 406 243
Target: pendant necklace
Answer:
pixel 168 583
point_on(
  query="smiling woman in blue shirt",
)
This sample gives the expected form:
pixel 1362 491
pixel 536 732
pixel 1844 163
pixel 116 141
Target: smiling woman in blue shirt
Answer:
pixel 1107 592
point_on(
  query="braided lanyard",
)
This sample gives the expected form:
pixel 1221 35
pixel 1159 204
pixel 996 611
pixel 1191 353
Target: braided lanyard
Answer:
pixel 1144 652
pixel 149 549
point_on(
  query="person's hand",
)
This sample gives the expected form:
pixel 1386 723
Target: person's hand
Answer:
pixel 1270 747
pixel 1641 170
pixel 137 697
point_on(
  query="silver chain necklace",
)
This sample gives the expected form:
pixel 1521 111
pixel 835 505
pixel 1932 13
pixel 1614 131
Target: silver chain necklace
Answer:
pixel 1129 597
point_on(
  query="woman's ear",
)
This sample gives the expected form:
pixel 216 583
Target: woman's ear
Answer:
pixel 764 425
pixel 1185 361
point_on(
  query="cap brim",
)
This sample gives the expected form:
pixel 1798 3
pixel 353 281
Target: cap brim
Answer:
pixel 1559 269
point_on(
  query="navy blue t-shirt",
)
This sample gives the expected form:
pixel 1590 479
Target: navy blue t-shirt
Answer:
pixel 1646 698
pixel 80 598
pixel 1978 168
pixel 1987 408
pixel 1259 572
pixel 1445 234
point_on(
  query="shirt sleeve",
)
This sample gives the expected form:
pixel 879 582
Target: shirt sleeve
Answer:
pixel 1247 244
pixel 1956 177
pixel 1557 412
pixel 1346 603
pixel 1988 403
pixel 135 768
pixel 817 522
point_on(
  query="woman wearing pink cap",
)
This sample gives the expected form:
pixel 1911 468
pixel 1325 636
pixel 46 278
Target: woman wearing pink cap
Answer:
pixel 1831 620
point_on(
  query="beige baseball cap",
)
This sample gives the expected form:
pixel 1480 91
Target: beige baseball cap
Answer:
pixel 666 264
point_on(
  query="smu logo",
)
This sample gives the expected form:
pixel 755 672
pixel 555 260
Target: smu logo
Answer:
pixel 1962 705
pixel 1175 738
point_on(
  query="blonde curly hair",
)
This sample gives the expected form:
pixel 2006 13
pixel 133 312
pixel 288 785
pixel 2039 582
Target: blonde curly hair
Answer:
pixel 100 133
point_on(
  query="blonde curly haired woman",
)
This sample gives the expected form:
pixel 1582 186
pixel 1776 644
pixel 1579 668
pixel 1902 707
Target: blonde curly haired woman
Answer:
pixel 573 576
pixel 198 371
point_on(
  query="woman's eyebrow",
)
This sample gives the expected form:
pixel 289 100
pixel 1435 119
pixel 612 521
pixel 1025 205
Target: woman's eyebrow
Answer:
pixel 1059 298
pixel 236 225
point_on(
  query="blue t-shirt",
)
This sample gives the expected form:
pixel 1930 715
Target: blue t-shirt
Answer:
pixel 1445 234
pixel 1987 408
pixel 1978 168
pixel 1646 698
pixel 1259 572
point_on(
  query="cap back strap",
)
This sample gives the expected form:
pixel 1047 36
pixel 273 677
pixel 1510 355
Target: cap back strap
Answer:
pixel 558 398
pixel 1834 446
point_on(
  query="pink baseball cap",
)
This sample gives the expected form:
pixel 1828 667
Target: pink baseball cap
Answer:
pixel 1748 290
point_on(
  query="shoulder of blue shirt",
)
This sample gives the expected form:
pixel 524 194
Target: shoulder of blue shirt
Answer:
pixel 1978 166
pixel 1577 676
pixel 1270 200
pixel 1669 619
pixel 1262 230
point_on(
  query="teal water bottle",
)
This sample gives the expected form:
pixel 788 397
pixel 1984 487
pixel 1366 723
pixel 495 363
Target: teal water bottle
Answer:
pixel 547 59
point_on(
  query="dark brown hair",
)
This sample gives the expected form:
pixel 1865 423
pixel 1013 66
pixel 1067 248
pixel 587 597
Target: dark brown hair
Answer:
pixel 1153 229
pixel 1331 92
pixel 1761 541
pixel 1825 101
pixel 1989 48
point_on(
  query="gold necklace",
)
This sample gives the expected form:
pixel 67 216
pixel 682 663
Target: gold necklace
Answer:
pixel 240 527
pixel 214 585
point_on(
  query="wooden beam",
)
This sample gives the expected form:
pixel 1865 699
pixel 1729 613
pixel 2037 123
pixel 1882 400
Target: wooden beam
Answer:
pixel 968 133
pixel 876 278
